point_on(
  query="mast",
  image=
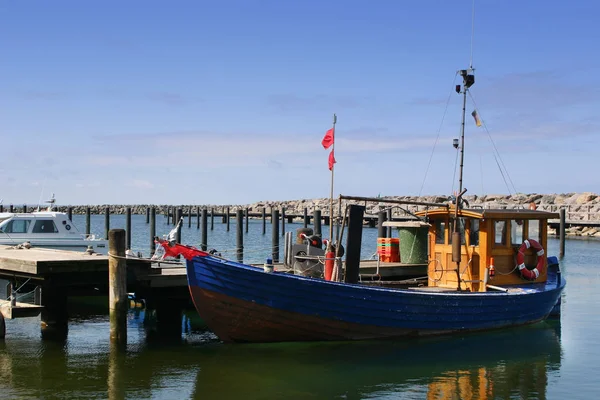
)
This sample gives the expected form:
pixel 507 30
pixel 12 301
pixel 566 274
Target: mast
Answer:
pixel 331 192
pixel 468 81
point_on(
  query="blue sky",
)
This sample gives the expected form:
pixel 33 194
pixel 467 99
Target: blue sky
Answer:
pixel 226 102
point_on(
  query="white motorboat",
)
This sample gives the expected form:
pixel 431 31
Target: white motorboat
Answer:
pixel 47 229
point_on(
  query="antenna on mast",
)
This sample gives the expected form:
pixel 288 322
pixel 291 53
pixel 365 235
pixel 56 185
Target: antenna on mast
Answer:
pixel 472 34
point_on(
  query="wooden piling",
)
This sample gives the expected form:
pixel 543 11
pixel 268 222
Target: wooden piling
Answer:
pixel 204 240
pixel 179 217
pixel 282 221
pixel 189 216
pixel 247 215
pixel 353 243
pixel 147 215
pixel 88 221
pixel 275 234
pixel 106 222
pixel 212 219
pixel 381 230
pixel 128 228
pixel 152 230
pixel 24 208
pixel 117 286
pixel 227 218
pixel 70 213
pixel 306 219
pixel 317 222
pixel 198 217
pixel 562 228
pixel 1 208
pixel 264 221
pixel 10 208
pixel 239 221
pixel 389 218
pixel 2 324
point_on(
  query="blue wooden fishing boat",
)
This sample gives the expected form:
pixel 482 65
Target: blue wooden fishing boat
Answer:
pixel 487 269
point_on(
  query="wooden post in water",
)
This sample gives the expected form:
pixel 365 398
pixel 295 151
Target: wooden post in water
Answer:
pixel 227 218
pixel 189 216
pixel 306 219
pixel 562 232
pixel 204 241
pixel 128 227
pixel 275 233
pixel 24 208
pixel 389 218
pixel 88 221
pixel 381 231
pixel 247 218
pixel 147 215
pixel 10 208
pixel 282 221
pixel 264 221
pixel 1 208
pixel 212 219
pixel 106 222
pixel 70 213
pixel 152 230
pixel 117 286
pixel 179 217
pixel 198 217
pixel 317 222
pixel 353 243
pixel 239 221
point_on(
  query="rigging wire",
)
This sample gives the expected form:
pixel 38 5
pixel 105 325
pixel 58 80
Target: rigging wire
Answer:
pixel 496 153
pixel 438 134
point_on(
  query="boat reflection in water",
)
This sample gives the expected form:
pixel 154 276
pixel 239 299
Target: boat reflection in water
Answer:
pixel 513 363
pixel 508 364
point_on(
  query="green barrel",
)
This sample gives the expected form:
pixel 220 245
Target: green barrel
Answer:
pixel 413 242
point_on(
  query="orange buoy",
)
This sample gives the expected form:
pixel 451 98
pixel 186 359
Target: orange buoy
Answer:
pixel 329 263
pixel 492 269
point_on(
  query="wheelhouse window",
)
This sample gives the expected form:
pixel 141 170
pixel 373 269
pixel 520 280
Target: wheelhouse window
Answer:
pixel 17 226
pixel 534 230
pixel 500 233
pixel 461 228
pixel 516 231
pixel 474 232
pixel 44 226
pixel 440 231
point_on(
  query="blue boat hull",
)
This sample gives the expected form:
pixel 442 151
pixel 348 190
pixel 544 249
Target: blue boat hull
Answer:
pixel 241 303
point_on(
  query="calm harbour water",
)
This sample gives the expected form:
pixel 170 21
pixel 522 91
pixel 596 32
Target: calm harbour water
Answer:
pixel 553 360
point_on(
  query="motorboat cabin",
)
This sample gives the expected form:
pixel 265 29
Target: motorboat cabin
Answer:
pixel 48 229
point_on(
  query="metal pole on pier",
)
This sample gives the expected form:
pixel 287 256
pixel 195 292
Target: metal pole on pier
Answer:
pixel 117 286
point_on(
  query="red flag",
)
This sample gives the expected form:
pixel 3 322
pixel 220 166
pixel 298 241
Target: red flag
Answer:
pixel 327 139
pixel 331 160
